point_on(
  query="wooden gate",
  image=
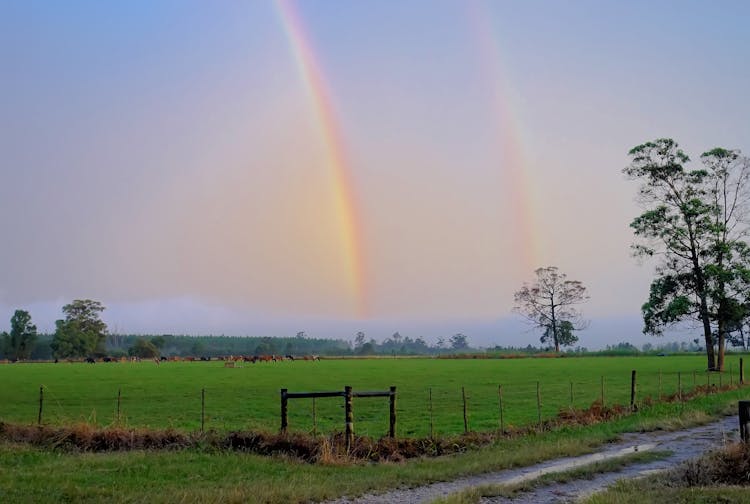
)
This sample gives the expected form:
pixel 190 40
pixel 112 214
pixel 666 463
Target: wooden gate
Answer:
pixel 348 396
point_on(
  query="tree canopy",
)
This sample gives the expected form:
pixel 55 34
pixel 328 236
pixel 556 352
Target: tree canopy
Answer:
pixel 20 342
pixel 81 333
pixel 549 304
pixel 695 222
pixel 459 341
pixel 144 348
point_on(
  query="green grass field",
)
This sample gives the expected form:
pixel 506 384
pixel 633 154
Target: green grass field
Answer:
pixel 169 395
pixel 238 398
pixel 33 474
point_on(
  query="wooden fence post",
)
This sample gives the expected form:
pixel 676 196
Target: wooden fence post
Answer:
pixel 314 419
pixel 500 403
pixel 571 395
pixel 742 372
pixel 632 390
pixel 466 420
pixel 349 417
pixel 432 424
pixel 660 385
pixel 392 419
pixel 539 404
pixel 203 409
pixel 41 404
pixel 744 412
pixel 708 382
pixel 284 417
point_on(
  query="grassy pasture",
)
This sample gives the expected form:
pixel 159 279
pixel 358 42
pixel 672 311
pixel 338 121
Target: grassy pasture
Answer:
pixel 34 475
pixel 248 397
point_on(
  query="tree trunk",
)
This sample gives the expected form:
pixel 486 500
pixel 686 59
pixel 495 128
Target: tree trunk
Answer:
pixel 554 324
pixel 710 355
pixel 700 287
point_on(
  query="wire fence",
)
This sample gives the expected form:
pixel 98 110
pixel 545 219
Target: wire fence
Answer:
pixel 421 411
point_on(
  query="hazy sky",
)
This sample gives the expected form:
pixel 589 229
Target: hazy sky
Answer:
pixel 259 167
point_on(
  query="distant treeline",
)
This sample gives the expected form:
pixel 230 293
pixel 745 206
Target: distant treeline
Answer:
pixel 209 346
pixel 214 346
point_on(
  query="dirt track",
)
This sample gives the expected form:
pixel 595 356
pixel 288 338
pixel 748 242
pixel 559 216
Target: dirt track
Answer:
pixel 684 444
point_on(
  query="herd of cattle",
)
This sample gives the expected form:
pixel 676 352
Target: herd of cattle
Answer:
pixel 175 358
pixel 229 358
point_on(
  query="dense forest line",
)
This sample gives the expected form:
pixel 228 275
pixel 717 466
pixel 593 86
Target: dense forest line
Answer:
pixel 82 334
pixel 118 345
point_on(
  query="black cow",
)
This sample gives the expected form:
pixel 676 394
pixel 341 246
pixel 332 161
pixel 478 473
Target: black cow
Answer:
pixel 90 360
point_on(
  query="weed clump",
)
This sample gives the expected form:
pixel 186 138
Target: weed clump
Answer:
pixel 729 466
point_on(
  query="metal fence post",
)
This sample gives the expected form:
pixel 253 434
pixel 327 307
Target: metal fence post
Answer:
pixel 284 414
pixel 744 413
pixel 392 418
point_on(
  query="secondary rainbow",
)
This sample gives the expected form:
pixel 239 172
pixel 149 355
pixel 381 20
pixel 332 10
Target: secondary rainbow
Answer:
pixel 509 134
pixel 346 206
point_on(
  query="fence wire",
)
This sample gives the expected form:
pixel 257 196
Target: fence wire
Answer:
pixel 421 411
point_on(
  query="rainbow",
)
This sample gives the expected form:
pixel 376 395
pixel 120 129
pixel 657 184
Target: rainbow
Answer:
pixel 511 142
pixel 346 207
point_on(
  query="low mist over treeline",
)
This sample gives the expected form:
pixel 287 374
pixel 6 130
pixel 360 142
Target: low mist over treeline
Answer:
pixel 83 334
pixel 119 345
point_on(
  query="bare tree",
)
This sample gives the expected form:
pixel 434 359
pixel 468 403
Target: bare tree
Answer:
pixel 549 304
pixel 359 340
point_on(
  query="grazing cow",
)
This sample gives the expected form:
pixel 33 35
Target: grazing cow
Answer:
pixel 189 359
pixel 162 358
pixel 90 360
pixel 204 358
pixel 289 357
pixel 107 359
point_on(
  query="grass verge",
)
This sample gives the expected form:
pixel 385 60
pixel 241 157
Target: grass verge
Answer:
pixel 721 476
pixel 32 474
